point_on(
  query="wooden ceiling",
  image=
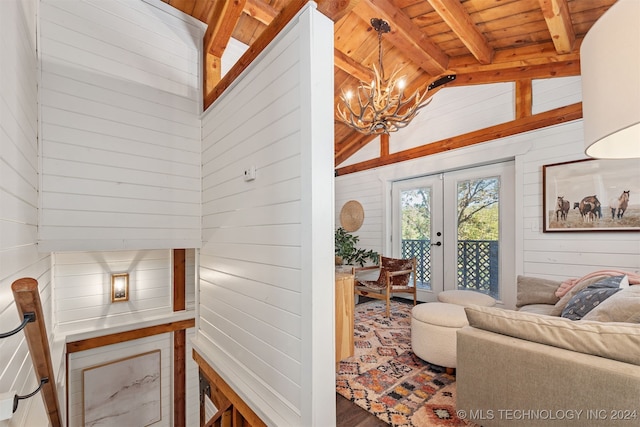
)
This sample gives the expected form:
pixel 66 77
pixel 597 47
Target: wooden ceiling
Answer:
pixel 480 41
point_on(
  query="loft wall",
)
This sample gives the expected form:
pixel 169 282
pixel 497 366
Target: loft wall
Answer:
pixel 83 288
pixel 84 310
pixel 88 74
pixel 266 265
pixel 551 255
pixel 80 361
pixel 120 104
pixel 120 126
pixel 19 256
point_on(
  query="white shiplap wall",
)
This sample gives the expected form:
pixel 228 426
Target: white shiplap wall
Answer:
pixel 551 255
pixel 83 283
pixel 120 126
pixel 19 256
pixel 565 255
pixel 80 361
pixel 84 310
pixel 266 264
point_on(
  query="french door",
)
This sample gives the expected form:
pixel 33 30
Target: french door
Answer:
pixel 459 225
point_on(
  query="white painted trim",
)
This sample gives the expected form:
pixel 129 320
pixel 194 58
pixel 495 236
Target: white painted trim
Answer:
pixel 318 300
pixel 72 334
pixel 251 392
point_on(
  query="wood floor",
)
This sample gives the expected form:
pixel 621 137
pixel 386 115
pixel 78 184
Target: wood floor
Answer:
pixel 348 414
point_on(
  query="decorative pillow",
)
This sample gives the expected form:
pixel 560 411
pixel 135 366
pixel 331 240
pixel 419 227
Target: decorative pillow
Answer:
pixel 590 297
pixel 560 305
pixel 534 290
pixel 624 306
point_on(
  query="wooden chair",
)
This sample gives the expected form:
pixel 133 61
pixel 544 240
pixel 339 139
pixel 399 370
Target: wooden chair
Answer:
pixel 395 277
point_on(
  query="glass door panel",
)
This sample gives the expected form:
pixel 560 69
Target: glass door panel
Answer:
pixel 478 235
pixel 418 218
pixel 477 257
pixel 455 225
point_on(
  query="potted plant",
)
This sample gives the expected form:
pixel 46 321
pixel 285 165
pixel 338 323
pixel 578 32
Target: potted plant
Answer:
pixel 348 253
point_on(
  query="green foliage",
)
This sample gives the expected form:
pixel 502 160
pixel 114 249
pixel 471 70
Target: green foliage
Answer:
pixel 345 248
pixel 416 215
pixel 477 213
pixel 478 209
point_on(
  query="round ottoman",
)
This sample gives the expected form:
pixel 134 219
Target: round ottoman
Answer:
pixel 466 298
pixel 433 332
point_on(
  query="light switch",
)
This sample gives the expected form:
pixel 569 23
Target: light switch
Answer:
pixel 250 174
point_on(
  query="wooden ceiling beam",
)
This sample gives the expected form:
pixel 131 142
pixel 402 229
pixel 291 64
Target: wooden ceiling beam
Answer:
pixel 456 17
pixel 201 9
pixel 528 55
pixel 350 66
pixel 261 11
pixel 336 9
pixel 526 124
pixel 280 21
pixel 355 142
pixel 556 14
pixel 405 35
pixel 524 98
pixel 514 72
pixel 221 24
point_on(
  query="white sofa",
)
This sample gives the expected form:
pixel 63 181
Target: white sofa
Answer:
pixel 530 369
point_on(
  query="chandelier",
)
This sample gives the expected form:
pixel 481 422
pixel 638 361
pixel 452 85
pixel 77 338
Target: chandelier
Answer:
pixel 380 106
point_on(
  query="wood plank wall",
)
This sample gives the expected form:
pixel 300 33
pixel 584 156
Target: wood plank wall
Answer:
pixel 19 256
pixel 554 256
pixel 83 283
pixel 82 304
pixel 101 355
pixel 258 297
pixel 120 126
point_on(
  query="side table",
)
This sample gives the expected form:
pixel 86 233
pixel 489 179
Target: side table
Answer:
pixel 344 316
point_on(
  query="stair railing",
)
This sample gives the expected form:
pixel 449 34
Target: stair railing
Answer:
pixel 27 298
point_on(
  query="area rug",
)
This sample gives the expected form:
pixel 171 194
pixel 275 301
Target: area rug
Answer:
pixel 385 378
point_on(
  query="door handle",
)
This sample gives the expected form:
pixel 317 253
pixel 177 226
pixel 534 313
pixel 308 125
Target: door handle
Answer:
pixel 436 244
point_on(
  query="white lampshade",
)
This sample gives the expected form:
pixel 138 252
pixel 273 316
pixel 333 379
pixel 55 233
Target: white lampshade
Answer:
pixel 610 68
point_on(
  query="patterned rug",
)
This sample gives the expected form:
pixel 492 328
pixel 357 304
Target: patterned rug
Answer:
pixel 385 378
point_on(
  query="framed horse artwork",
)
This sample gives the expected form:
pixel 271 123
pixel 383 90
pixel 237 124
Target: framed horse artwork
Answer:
pixel 591 195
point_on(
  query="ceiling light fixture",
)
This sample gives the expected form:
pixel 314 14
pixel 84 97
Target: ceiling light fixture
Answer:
pixel 380 106
pixel 610 69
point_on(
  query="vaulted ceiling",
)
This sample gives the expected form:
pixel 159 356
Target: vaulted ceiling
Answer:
pixel 480 41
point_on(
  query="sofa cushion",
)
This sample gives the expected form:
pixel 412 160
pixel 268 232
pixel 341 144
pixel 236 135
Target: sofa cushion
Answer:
pixel 466 297
pixel 562 303
pixel 591 296
pixel 534 290
pixel 609 340
pixel 537 308
pixel 624 306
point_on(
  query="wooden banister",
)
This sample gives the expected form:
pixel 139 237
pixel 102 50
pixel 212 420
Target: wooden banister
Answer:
pixel 27 297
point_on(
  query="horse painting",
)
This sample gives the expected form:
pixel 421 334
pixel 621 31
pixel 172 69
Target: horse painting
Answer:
pixel 619 205
pixel 589 207
pixel 562 208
